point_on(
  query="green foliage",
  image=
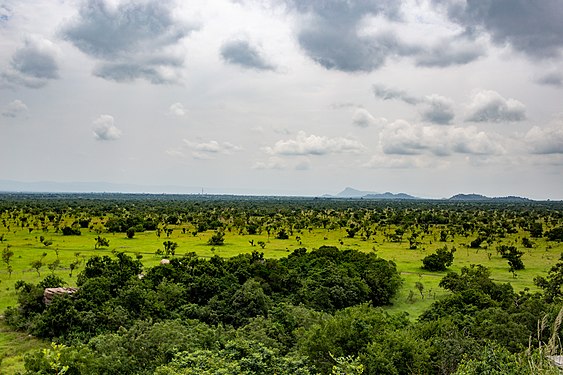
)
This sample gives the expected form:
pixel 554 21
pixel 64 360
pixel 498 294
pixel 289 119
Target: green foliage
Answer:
pixel 347 366
pixel 130 232
pixel 217 239
pixel 496 360
pixel 170 247
pixel 440 260
pixel 101 242
pixel 238 357
pixel 347 332
pixel 513 255
pixel 250 313
pixel 555 234
pixel 552 285
pixel 71 231
pixel 282 235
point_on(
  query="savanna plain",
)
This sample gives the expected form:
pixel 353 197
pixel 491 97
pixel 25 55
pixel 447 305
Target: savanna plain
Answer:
pixel 173 284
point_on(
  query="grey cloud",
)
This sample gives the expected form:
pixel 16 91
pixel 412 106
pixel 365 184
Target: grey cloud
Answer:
pixel 386 93
pixel 241 53
pixel 132 40
pixel 551 79
pixel 439 110
pixel 130 72
pixel 347 11
pixel 532 27
pixel 342 49
pixel 14 109
pixel 34 64
pixel 448 52
pixel 330 35
pixel 490 106
pixel 34 61
pixel 363 119
pixel 5 13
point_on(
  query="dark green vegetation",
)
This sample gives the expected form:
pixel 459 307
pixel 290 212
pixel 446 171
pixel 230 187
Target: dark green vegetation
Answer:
pixel 284 286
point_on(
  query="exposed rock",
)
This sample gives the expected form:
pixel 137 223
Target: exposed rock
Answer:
pixel 50 293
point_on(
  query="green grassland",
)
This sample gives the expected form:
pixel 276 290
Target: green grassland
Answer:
pixel 27 248
pixel 67 249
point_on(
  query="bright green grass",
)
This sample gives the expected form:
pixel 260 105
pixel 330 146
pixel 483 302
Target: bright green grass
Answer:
pixel 27 248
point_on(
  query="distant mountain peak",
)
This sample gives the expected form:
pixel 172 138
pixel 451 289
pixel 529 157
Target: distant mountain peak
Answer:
pixel 349 192
pixel 354 193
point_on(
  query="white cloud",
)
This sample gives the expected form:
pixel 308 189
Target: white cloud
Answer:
pixel 271 163
pixel 490 106
pixel 104 128
pixel 393 162
pixel 177 109
pixel 208 149
pixel 547 140
pixel 305 144
pixel 403 138
pixel 14 109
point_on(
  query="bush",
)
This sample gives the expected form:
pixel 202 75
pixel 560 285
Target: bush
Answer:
pixel 70 231
pixel 440 260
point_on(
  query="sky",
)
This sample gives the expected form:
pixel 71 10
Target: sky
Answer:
pixel 289 97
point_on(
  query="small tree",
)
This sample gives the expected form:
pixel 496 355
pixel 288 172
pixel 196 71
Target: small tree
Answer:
pixel 53 266
pixel 7 255
pixel 420 287
pixel 513 255
pixel 218 239
pixel 101 241
pixel 170 247
pixel 37 264
pixel 282 235
pixel 130 232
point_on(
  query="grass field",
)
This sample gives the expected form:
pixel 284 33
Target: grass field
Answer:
pixel 27 248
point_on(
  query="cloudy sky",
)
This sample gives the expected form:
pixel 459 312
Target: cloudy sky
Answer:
pixel 294 97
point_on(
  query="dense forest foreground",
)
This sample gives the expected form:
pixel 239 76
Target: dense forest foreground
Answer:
pixel 170 284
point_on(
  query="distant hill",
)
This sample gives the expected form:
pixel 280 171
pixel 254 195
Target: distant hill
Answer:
pixel 354 193
pixel 389 195
pixel 469 197
pixel 479 197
